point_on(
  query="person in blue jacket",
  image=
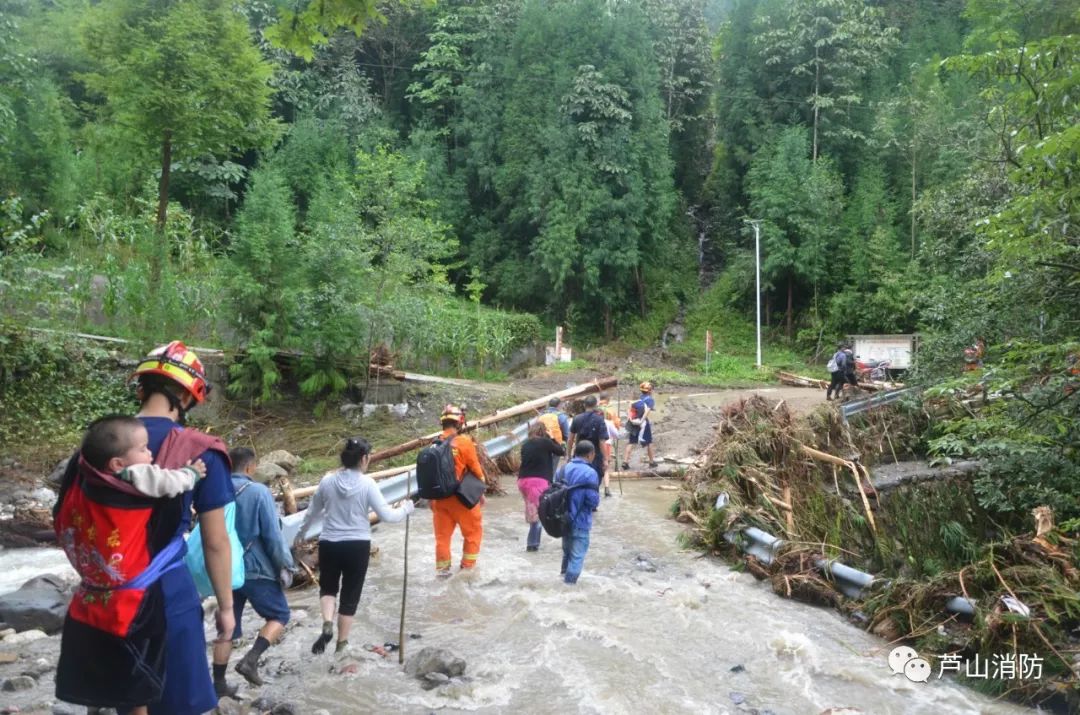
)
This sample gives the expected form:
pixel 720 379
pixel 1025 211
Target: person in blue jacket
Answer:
pixel 268 567
pixel 582 502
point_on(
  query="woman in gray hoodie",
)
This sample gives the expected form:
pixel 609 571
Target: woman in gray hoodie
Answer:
pixel 343 501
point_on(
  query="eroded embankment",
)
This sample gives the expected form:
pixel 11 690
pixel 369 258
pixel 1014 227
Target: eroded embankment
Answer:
pixel 926 541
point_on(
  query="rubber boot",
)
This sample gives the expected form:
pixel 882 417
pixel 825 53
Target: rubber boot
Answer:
pixel 249 668
pixel 223 690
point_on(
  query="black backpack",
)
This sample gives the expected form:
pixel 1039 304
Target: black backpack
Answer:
pixel 435 474
pixel 554 508
pixel 596 431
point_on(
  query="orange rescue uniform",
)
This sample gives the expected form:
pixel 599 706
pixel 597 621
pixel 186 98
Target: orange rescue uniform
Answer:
pixel 450 513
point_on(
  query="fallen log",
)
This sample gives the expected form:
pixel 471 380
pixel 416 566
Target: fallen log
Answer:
pixel 605 383
pixel 304 492
pixel 802 381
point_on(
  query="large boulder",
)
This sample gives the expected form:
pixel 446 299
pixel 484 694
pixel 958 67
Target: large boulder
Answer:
pixel 39 604
pixel 267 472
pixel 283 459
pixel 434 660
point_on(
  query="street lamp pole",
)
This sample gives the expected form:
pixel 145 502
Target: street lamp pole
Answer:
pixel 756 223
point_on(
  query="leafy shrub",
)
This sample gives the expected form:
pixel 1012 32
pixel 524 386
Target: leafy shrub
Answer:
pixel 51 388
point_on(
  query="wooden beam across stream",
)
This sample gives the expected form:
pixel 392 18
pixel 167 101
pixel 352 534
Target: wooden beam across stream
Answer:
pixel 532 406
pixel 588 388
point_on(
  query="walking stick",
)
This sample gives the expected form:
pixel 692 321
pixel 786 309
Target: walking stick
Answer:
pixel 405 576
pixel 618 440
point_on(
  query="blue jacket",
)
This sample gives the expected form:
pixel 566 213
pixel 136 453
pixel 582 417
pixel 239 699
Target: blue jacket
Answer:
pixel 259 530
pixel 564 422
pixel 582 501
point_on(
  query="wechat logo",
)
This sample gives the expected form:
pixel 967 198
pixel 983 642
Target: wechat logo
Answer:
pixel 905 661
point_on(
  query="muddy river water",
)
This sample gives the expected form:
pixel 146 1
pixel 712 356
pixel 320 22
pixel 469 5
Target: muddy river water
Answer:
pixel 691 636
pixel 650 628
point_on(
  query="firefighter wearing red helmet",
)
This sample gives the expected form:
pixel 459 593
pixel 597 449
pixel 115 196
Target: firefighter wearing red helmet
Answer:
pixel 451 514
pixel 170 381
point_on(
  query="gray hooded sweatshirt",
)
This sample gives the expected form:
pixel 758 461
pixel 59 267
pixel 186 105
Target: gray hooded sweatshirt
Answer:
pixel 345 497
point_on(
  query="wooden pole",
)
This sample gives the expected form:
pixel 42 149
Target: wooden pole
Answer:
pixel 581 390
pixel 618 442
pixel 404 582
pixel 304 492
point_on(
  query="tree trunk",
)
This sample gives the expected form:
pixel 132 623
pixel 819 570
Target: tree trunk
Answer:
pixel 790 307
pixel 817 87
pixel 609 325
pixel 768 308
pixel 641 289
pixel 913 194
pixel 163 182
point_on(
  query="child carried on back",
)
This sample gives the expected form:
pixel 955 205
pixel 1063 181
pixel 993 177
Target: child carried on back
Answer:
pixel 112 648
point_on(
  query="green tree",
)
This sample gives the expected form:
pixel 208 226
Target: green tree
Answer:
pixel 262 280
pixel 824 50
pixel 185 77
pixel 573 176
pixel 799 203
pixel 304 26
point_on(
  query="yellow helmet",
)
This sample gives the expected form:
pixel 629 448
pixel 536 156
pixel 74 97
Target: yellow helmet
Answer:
pixel 453 413
pixel 646 386
pixel 178 363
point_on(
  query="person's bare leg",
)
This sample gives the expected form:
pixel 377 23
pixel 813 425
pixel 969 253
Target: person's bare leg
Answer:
pixel 272 631
pixel 327 604
pixel 652 455
pixel 344 625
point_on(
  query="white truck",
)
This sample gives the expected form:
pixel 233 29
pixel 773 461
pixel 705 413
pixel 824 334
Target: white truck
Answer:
pixel 899 350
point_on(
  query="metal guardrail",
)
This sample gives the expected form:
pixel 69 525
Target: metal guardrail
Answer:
pixel 879 400
pixel 402 486
pixel 849 581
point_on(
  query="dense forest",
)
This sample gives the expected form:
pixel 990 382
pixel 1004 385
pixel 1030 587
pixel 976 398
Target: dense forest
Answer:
pixel 451 177
pixel 298 182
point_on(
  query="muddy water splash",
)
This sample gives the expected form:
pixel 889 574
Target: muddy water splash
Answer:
pixel 689 636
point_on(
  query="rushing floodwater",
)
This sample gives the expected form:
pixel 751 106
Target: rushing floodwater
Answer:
pixel 623 641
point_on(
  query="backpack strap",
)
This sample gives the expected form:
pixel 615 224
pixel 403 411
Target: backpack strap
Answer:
pixel 245 485
pixel 560 475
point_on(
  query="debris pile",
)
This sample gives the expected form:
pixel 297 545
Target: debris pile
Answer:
pixel 805 481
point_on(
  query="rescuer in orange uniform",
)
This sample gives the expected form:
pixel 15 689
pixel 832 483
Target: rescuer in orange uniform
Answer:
pixel 450 513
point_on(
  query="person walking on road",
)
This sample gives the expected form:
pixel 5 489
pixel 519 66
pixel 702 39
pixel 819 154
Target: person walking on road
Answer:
pixel 582 501
pixel 450 514
pixel 849 368
pixel 555 421
pixel 268 566
pixel 837 373
pixel 343 500
pixel 169 382
pixel 639 426
pixel 539 453
pixel 590 425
